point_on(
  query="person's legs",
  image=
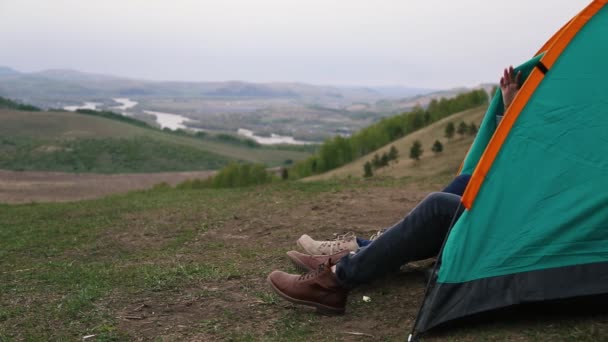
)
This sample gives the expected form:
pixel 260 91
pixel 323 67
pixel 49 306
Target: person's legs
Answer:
pixel 456 187
pixel 418 236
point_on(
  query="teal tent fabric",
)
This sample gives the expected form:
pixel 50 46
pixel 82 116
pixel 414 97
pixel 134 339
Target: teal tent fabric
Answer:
pixel 544 201
pixel 538 228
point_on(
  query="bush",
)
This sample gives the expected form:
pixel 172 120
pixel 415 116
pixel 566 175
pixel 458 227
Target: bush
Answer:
pixel 463 128
pixel 416 150
pixel 449 130
pixel 472 129
pixel 393 153
pixel 232 176
pixel 437 147
pixel 367 170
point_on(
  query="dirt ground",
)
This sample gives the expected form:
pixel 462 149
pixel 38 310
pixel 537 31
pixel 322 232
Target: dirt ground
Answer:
pixel 29 186
pixel 256 238
pixel 213 285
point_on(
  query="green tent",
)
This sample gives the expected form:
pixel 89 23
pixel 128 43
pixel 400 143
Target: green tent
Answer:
pixel 535 226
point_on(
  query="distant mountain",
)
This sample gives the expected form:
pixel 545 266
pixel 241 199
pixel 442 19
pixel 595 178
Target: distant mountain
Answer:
pixel 6 71
pixel 53 87
pixel 401 91
pixel 73 75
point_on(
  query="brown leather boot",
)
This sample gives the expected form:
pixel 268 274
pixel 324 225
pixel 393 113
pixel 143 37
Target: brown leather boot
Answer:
pixel 305 263
pixel 318 288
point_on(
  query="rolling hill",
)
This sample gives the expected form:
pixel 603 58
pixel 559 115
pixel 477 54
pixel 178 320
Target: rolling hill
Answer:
pixel 437 168
pixel 73 142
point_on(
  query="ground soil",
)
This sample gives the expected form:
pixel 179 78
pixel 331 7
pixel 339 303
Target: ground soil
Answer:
pixel 257 237
pixel 254 239
pixel 29 186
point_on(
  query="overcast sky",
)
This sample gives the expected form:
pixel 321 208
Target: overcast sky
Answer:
pixel 424 43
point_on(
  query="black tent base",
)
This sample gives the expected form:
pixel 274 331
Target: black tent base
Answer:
pixel 521 316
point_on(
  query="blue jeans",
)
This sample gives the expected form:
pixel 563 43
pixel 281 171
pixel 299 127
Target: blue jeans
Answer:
pixel 418 236
pixel 456 187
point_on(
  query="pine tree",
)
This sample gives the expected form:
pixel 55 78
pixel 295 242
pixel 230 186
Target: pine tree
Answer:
pixel 416 150
pixel 376 162
pixel 437 147
pixel 472 129
pixel 393 154
pixel 384 159
pixel 463 128
pixel 367 170
pixel 449 130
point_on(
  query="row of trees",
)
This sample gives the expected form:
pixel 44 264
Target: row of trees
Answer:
pixel 415 153
pixel 380 161
pixel 338 151
pixel 463 128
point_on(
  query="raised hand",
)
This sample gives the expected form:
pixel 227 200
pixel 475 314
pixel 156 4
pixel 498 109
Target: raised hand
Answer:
pixel 509 85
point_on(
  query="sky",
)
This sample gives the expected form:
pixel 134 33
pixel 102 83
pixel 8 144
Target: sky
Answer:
pixel 417 43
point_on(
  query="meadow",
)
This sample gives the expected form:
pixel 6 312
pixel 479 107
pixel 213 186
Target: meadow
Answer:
pixel 75 142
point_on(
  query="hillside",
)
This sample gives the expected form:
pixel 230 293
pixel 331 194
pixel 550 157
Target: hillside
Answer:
pixel 440 167
pixel 65 141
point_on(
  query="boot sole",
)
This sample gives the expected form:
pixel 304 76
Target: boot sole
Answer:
pixel 300 267
pixel 320 307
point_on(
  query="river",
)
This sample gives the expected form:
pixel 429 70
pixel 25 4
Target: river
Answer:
pixel 86 105
pixel 125 104
pixel 169 120
pixel 176 121
pixel 273 139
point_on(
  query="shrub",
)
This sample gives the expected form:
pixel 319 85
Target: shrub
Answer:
pixel 437 147
pixel 232 176
pixel 367 170
pixel 449 130
pixel 416 150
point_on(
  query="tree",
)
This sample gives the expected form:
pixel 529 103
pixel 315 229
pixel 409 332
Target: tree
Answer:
pixel 393 154
pixel 472 129
pixel 367 170
pixel 376 161
pixel 416 150
pixel 463 128
pixel 437 147
pixel 449 130
pixel 384 159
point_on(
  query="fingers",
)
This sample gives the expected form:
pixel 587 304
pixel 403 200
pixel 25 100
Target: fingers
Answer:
pixel 510 77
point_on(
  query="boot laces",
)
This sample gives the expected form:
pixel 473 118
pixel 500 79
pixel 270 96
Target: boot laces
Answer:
pixel 315 273
pixel 339 239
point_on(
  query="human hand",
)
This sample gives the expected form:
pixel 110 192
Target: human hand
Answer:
pixel 509 85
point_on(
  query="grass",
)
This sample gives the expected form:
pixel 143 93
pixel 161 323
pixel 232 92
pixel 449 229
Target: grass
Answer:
pixel 191 264
pixel 64 141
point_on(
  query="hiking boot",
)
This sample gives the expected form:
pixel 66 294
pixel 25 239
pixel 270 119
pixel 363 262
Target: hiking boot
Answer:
pixel 346 242
pixel 306 263
pixel 318 288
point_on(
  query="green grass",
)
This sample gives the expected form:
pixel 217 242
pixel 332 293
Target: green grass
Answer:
pixel 74 269
pixel 106 155
pixel 64 141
